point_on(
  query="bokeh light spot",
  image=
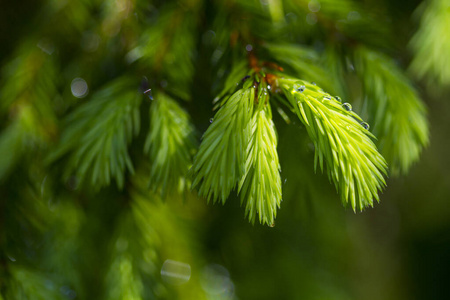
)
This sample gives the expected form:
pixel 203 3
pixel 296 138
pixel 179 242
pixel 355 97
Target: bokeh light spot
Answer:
pixel 79 87
pixel 175 272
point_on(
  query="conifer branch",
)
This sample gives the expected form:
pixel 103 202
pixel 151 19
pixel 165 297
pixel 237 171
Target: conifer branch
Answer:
pixel 123 279
pixel 170 144
pixel 30 284
pixel 151 232
pixel 341 141
pixel 431 43
pixel 399 116
pixel 346 21
pixel 303 62
pixel 58 243
pixel 168 49
pixel 240 148
pixel 238 71
pixel 260 187
pixel 27 99
pixel 97 135
pixel 220 161
pixel 15 138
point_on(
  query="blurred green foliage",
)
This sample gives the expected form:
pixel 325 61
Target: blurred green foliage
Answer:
pixel 95 198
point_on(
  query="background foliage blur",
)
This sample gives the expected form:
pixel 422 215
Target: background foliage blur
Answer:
pixel 70 230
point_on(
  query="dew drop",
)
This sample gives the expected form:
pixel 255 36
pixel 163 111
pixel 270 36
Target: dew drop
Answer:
pixel 301 89
pixel 338 99
pixel 365 125
pixel 313 83
pixel 149 94
pixel 326 98
pixel 347 106
pixel 269 87
pixel 211 120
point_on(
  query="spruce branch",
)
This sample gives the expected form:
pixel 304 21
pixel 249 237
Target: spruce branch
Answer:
pixel 26 283
pixel 170 144
pixel 239 70
pixel 23 133
pixel 30 78
pixel 97 135
pixel 64 235
pixel 399 116
pixel 346 21
pixel 124 279
pixel 27 95
pixel 155 232
pixel 240 148
pixel 431 43
pixel 303 62
pixel 260 187
pixel 220 161
pixel 341 141
pixel 168 49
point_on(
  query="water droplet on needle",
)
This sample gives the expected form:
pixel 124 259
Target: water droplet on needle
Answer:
pixel 365 125
pixel 347 106
pixel 149 93
pixel 301 89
